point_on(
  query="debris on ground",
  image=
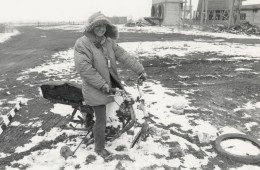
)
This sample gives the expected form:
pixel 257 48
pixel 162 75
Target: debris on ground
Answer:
pixel 137 24
pixel 243 28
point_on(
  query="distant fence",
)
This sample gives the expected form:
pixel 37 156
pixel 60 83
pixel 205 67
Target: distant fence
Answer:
pixel 114 20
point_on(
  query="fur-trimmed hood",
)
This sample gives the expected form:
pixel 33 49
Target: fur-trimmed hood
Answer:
pixel 97 19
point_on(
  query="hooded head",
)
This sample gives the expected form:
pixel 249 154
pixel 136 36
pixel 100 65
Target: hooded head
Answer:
pixel 97 19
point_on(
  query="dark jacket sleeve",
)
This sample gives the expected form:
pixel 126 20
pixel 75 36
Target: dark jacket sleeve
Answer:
pixel 84 65
pixel 127 59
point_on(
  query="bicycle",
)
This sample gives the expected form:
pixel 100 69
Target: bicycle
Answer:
pixel 69 93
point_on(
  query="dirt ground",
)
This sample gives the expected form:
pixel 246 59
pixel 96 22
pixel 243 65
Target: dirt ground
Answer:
pixel 220 94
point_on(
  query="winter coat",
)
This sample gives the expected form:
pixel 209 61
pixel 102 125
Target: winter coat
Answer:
pixel 96 64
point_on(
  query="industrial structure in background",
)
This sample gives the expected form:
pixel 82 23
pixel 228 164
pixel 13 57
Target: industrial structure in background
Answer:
pixel 180 12
pixel 220 11
pixel 166 12
pixel 252 13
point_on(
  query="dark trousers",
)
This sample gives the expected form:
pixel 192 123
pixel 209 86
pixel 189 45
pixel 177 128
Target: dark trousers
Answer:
pixel 99 127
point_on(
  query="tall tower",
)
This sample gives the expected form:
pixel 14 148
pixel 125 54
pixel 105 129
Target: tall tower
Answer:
pixel 166 12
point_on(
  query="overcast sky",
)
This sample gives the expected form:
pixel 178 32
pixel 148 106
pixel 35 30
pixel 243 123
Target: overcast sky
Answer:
pixel 74 10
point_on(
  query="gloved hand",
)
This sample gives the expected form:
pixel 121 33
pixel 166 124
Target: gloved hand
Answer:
pixel 105 88
pixel 142 77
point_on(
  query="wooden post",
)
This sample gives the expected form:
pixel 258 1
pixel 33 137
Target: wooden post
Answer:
pixel 214 16
pixel 184 13
pixel 190 13
pixel 202 12
pixel 231 19
pixel 206 10
pixel 221 15
pixel 238 12
pixel 185 7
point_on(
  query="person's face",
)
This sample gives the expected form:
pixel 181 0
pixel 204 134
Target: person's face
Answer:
pixel 100 30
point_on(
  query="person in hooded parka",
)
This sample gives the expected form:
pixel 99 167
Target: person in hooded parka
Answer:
pixel 95 56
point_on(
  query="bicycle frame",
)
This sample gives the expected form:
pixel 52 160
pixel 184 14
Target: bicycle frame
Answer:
pixel 143 133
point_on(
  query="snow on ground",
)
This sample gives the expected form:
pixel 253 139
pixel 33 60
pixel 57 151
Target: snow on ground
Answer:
pixel 7 107
pixel 161 107
pixel 159 30
pixel 235 51
pixel 179 30
pixel 6 36
pixel 63 27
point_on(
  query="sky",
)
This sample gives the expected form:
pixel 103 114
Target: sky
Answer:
pixel 53 10
pixel 75 10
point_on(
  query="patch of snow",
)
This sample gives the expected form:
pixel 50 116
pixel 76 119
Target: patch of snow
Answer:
pixel 35 140
pixel 61 64
pixel 257 105
pixel 205 131
pixel 62 109
pixel 20 99
pixel 45 159
pixel 251 106
pixel 250 125
pixel 23 77
pixel 78 28
pixel 6 36
pixel 183 48
pixel 3 155
pixel 216 167
pixel 243 69
pixel 179 102
pixel 190 161
pixel 37 124
pixel 227 129
pixel 27 131
pixel 40 92
pixel 170 30
pixel 15 123
pixel 183 77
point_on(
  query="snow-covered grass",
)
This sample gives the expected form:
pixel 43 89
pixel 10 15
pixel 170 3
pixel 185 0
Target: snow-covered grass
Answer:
pixel 156 151
pixel 180 30
pixel 63 27
pixel 6 36
pixel 160 30
pixel 235 51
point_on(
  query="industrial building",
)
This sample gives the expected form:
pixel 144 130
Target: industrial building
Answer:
pixel 177 12
pixel 166 12
pixel 252 13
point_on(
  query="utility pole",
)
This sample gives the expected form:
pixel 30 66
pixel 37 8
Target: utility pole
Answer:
pixel 190 13
pixel 184 13
pixel 206 11
pixel 231 17
pixel 202 12
pixel 238 11
pixel 185 8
